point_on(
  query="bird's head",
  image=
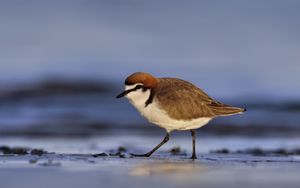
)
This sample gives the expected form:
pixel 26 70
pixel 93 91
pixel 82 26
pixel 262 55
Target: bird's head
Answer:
pixel 138 82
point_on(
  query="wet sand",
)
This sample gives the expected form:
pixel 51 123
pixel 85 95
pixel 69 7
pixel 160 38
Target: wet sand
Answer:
pixel 210 170
pixel 95 163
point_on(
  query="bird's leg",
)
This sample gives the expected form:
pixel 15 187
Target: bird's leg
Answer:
pixel 166 139
pixel 193 132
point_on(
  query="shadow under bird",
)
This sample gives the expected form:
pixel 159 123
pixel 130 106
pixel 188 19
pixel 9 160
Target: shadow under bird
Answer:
pixel 173 104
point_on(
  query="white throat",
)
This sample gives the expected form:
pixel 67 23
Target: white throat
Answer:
pixel 137 98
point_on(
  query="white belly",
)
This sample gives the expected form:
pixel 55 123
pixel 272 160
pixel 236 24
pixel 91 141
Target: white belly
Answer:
pixel 154 114
pixel 157 116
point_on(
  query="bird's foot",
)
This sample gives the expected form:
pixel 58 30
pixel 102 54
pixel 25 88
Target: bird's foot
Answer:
pixel 194 157
pixel 140 155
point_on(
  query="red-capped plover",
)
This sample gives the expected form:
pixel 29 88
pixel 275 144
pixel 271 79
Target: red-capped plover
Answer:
pixel 173 104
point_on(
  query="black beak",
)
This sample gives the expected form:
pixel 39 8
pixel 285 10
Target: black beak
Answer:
pixel 122 94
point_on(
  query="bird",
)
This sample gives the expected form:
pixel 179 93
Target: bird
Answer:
pixel 173 104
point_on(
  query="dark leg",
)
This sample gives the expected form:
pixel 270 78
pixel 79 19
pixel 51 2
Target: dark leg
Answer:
pixel 194 144
pixel 154 149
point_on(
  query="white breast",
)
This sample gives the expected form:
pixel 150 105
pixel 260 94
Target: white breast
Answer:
pixel 156 115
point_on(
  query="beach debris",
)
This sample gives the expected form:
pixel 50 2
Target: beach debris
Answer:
pixel 5 150
pixel 100 155
pixel 16 150
pixel 121 152
pixel 38 152
pixel 254 151
pixel 260 151
pixel 221 151
pixel 177 151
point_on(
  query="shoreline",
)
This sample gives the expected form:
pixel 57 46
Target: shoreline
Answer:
pixel 100 128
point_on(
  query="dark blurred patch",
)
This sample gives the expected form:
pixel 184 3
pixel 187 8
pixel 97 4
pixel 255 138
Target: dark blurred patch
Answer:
pixel 260 152
pixel 120 152
pixel 21 151
pixel 87 129
pixel 177 151
pixel 54 88
pixel 100 155
pixel 221 151
pixel 71 129
pixel 16 150
pixel 38 152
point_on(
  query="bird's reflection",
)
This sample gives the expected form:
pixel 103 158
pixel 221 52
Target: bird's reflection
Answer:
pixel 166 168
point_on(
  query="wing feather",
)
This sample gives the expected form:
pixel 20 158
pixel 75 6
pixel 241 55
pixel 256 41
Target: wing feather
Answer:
pixel 183 100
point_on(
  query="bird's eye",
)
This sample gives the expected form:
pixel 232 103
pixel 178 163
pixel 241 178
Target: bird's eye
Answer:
pixel 138 86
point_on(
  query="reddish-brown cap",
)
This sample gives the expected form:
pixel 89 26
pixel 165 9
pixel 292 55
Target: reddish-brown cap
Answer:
pixel 141 77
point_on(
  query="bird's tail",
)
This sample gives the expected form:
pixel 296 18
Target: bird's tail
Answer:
pixel 226 110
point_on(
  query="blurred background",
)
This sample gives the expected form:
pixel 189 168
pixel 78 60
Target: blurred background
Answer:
pixel 63 62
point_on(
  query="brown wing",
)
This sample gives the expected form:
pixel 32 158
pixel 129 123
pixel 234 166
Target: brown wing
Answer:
pixel 183 100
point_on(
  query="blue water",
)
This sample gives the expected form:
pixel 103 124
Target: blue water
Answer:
pixel 231 49
pixel 240 52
